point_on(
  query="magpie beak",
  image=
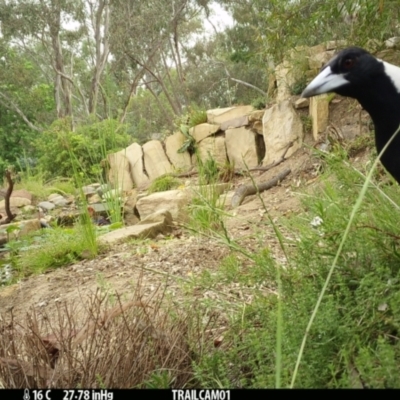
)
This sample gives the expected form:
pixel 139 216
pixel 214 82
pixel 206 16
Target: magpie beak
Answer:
pixel 326 81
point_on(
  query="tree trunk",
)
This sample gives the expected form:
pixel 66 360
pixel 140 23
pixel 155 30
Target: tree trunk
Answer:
pixel 100 19
pixel 62 87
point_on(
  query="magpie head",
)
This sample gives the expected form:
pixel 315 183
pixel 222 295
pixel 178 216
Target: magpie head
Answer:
pixel 350 73
pixel 376 85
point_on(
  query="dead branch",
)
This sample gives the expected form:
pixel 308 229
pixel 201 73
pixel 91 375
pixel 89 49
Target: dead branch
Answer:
pixel 10 104
pixel 244 83
pixel 10 215
pixel 247 190
pixel 185 174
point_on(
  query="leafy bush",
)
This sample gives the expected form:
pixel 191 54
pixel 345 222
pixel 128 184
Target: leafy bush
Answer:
pixel 62 151
pixel 259 103
pixel 163 183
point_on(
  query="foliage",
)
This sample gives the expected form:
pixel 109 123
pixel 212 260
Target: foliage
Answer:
pixel 298 87
pixel 21 86
pixel 259 103
pixel 354 340
pixel 194 116
pixel 283 25
pixel 163 183
pixel 189 145
pixel 148 116
pixel 51 248
pixel 62 151
pixel 208 170
pixel 206 208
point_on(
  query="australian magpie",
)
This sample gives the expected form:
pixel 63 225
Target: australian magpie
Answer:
pixel 376 85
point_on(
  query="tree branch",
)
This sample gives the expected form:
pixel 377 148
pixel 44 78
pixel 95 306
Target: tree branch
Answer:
pixel 11 105
pixel 74 84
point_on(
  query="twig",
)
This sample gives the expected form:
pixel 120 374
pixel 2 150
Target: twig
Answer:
pixel 379 230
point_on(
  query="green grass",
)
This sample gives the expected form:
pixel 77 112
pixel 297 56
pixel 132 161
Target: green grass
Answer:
pixel 48 249
pixel 354 339
pixel 163 183
pixel 41 189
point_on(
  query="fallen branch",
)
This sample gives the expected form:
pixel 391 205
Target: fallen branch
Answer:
pixel 247 190
pixel 185 174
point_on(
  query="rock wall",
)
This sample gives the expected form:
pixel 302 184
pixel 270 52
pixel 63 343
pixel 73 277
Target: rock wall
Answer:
pixel 239 135
pixel 231 135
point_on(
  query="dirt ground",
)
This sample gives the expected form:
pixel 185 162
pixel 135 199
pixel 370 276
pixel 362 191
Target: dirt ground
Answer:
pixel 176 260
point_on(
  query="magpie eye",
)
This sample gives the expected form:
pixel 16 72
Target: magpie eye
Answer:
pixel 348 63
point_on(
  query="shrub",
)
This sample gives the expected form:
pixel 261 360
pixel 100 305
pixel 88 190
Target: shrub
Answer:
pixel 62 151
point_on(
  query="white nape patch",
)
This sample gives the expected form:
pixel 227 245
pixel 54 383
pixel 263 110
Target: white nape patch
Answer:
pixel 393 72
pixel 326 81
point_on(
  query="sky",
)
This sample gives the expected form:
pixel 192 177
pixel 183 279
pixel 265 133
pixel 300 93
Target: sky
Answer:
pixel 219 18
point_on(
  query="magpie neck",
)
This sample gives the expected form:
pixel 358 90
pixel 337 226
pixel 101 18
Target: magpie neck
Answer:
pixel 385 114
pixel 386 123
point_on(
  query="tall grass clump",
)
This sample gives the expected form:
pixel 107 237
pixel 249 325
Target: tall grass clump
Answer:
pixel 206 208
pixel 52 248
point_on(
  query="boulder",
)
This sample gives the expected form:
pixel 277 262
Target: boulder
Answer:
pixel 256 115
pixel 235 123
pixel 130 217
pixel 137 231
pixel 23 229
pixel 281 126
pixel 290 72
pixel 120 170
pixel 301 103
pixel 284 81
pixel 46 205
pixel 22 193
pixel 317 49
pixel 134 154
pixel 60 202
pixel 220 115
pixel 213 147
pixel 161 215
pixel 241 146
pixel 257 127
pixel 174 201
pixel 172 144
pixel 15 202
pixel 57 200
pixel 155 161
pixel 316 61
pixel 95 198
pixel 334 44
pixel 54 196
pixel 202 131
pixel 319 112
